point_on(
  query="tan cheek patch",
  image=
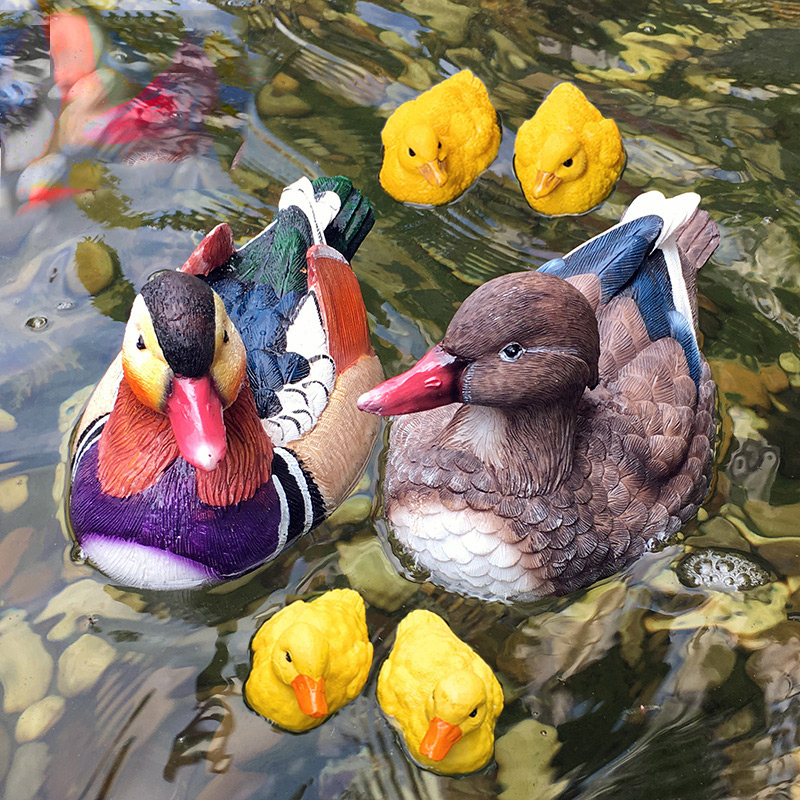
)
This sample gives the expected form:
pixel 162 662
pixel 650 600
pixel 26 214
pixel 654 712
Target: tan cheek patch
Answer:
pixel 230 358
pixel 146 370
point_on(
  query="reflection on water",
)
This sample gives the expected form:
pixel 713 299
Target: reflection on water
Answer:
pixel 640 685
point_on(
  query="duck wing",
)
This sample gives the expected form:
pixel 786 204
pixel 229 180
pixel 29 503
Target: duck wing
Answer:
pixel 294 299
pixel 655 386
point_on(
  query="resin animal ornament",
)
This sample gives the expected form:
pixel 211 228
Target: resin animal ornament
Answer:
pixel 227 426
pixel 566 421
pixel 441 695
pixel 567 157
pixel 309 660
pixel 435 146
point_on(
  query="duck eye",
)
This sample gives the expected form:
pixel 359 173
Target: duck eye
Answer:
pixel 439 145
pixel 511 352
pixel 411 152
pixel 288 656
pixel 474 712
pixel 568 162
pixel 140 343
pixel 225 336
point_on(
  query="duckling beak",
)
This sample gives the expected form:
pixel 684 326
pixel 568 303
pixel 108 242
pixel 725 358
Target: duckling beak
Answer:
pixel 545 183
pixel 435 172
pixel 439 738
pixel 195 413
pixel 434 381
pixel 311 695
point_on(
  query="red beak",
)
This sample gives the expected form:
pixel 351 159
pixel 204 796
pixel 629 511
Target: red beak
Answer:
pixel 434 381
pixel 195 413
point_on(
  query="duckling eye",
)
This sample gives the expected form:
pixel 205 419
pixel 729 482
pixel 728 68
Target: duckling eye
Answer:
pixel 140 343
pixel 288 656
pixel 439 145
pixel 225 336
pixel 568 162
pixel 411 152
pixel 474 712
pixel 511 352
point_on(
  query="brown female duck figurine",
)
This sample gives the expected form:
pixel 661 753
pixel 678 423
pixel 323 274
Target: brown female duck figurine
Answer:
pixel 566 421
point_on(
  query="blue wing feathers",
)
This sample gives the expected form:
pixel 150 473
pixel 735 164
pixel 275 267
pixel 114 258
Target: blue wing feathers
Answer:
pixel 628 266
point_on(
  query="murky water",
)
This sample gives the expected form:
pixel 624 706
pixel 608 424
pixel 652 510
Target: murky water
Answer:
pixel 640 686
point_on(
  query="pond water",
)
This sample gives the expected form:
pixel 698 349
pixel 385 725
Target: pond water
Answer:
pixel 640 686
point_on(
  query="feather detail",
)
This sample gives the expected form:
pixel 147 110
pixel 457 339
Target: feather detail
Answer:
pixel 333 281
pixel 247 463
pixel 135 448
pixel 212 252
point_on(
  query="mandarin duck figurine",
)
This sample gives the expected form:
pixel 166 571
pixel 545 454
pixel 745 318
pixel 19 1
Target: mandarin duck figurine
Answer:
pixel 309 660
pixel 566 422
pixel 436 145
pixel 567 157
pixel 227 426
pixel 441 695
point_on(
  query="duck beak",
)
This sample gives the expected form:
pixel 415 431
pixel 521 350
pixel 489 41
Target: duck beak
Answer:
pixel 438 739
pixel 195 413
pixel 434 381
pixel 434 172
pixel 545 183
pixel 311 696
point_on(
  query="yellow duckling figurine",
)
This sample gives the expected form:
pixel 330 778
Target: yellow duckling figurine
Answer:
pixel 436 145
pixel 309 660
pixel 567 157
pixel 441 694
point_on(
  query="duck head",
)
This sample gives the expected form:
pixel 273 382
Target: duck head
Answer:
pixel 456 708
pixel 299 659
pixel 182 357
pixel 525 339
pixel 422 151
pixel 562 159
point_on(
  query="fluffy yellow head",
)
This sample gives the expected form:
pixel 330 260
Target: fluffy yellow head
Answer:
pixel 562 159
pixel 459 699
pixel 423 151
pixel 147 368
pixel 300 650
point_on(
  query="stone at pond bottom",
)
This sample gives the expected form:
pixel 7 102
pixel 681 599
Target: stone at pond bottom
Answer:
pixel 77 601
pixel 37 719
pixel 26 776
pixel 721 569
pixel 25 666
pixel 370 572
pixel 523 757
pixel 13 493
pixel 82 663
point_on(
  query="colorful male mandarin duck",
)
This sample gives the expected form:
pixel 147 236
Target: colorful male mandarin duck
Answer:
pixel 567 418
pixel 227 426
pixel 567 157
pixel 309 660
pixel 436 145
pixel 441 694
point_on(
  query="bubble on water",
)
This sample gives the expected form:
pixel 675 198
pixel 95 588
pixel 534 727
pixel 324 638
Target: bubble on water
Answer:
pixel 724 570
pixel 65 305
pixel 37 323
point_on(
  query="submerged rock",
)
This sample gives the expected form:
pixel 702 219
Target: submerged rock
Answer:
pixel 82 663
pixel 25 665
pixel 723 570
pixel 37 719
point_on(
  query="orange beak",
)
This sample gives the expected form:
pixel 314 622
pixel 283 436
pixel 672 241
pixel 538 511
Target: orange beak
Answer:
pixel 545 183
pixel 311 696
pixel 438 739
pixel 434 172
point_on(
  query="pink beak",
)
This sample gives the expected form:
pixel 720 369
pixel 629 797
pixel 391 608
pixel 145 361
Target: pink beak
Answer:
pixel 434 381
pixel 195 413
